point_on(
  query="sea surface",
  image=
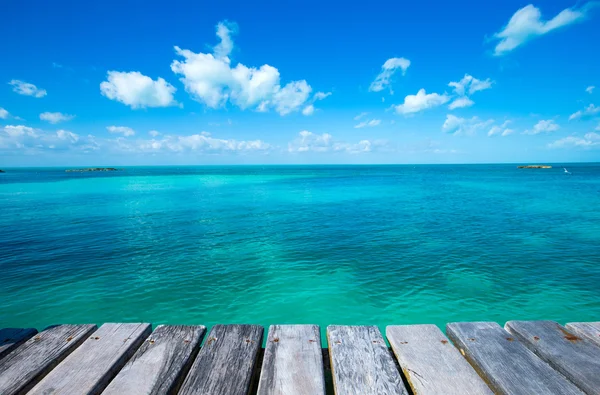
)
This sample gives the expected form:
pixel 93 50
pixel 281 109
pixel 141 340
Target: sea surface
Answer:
pixel 300 244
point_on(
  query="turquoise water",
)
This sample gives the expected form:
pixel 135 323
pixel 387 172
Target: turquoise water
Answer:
pixel 316 244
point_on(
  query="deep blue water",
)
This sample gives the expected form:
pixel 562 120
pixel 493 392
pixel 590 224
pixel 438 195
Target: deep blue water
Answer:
pixel 300 244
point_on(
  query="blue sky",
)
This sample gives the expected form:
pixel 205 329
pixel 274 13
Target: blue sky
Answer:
pixel 137 83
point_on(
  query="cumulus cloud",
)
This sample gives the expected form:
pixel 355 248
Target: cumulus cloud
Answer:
pixel 461 102
pixel 586 113
pixel 31 141
pixel 27 89
pixel 420 102
pixel 55 117
pixel 211 79
pixel 589 140
pixel 137 90
pixel 369 124
pixel 464 126
pixel 590 89
pixel 501 130
pixel 389 68
pixel 312 142
pixel 543 126
pixel 527 24
pixel 124 130
pixel 3 113
pixel 308 110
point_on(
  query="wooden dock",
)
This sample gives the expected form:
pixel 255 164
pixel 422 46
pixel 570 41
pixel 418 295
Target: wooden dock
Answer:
pixel 524 357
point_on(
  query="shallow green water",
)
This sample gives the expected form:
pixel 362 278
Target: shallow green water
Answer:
pixel 318 244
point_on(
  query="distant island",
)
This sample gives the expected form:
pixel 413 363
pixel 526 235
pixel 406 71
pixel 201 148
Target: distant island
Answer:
pixel 2 171
pixel 534 167
pixel 92 169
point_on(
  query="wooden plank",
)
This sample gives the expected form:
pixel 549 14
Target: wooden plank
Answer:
pixel 361 362
pixel 431 364
pixel 504 363
pixel 89 368
pixel 574 357
pixel 11 338
pixel 29 363
pixel 293 361
pixel 161 363
pixel 226 361
pixel 588 330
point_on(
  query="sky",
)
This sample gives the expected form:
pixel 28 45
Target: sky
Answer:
pixel 312 82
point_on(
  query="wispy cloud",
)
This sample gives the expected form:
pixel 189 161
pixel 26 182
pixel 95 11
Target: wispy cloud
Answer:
pixel 588 112
pixel 370 124
pixel 590 89
pixel 389 68
pixel 27 89
pixel 464 126
pixel 527 24
pixel 124 130
pixel 589 140
pixel 55 117
pixel 312 142
pixel 543 126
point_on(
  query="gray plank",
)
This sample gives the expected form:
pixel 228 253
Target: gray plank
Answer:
pixel 588 330
pixel 431 364
pixel 89 368
pixel 160 364
pixel 293 361
pixel 226 361
pixel 574 357
pixel 504 363
pixel 361 362
pixel 11 338
pixel 28 364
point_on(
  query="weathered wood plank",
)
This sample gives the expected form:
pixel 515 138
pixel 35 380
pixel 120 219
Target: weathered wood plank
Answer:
pixel 361 362
pixel 160 364
pixel 293 361
pixel 504 363
pixel 431 364
pixel 29 363
pixel 89 368
pixel 11 338
pixel 574 357
pixel 226 361
pixel 588 330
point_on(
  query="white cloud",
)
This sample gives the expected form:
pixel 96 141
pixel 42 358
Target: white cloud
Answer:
pixel 590 89
pixel 359 116
pixel 464 126
pixel 321 95
pixel 389 68
pixel 589 140
pixel 27 89
pixel 55 117
pixel 126 131
pixel 370 124
pixel 597 128
pixel 543 126
pixel 154 133
pixel 469 85
pixel 3 113
pixel 527 24
pixel 502 130
pixel 137 90
pixel 224 31
pixel 586 113
pixel 210 79
pixel 312 142
pixel 421 101
pixel 461 102
pixel 31 141
pixel 308 110
pixel 201 142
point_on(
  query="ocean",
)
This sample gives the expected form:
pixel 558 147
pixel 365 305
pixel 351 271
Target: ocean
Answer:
pixel 323 245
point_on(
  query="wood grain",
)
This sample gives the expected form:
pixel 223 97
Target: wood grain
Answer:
pixel 431 364
pixel 11 338
pixel 504 363
pixel 89 368
pixel 293 361
pixel 588 330
pixel 226 361
pixel 361 363
pixel 29 363
pixel 577 359
pixel 160 364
